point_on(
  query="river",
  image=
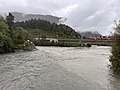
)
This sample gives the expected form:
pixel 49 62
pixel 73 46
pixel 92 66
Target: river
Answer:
pixel 58 68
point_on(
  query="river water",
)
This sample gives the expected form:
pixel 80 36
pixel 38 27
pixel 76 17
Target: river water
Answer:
pixel 58 68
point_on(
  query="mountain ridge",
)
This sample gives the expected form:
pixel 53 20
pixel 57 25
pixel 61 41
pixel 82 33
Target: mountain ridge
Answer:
pixel 89 34
pixel 18 16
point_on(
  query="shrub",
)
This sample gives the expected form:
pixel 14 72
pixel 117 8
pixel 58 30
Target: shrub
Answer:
pixel 115 57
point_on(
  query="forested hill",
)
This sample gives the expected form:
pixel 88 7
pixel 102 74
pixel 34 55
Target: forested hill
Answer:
pixel 13 35
pixel 40 28
pixel 18 16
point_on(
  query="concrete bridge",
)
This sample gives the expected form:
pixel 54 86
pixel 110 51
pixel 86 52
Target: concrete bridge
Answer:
pixel 86 41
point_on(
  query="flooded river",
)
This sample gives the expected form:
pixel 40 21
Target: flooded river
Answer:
pixel 58 68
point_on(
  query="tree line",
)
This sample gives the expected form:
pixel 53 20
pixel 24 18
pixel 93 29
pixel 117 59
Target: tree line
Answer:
pixel 53 29
pixel 11 38
pixel 14 34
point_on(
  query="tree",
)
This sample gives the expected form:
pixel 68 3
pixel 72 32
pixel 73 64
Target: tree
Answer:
pixel 84 37
pixel 19 35
pixel 48 29
pixel 6 44
pixel 2 19
pixel 9 20
pixel 115 58
pixel 3 27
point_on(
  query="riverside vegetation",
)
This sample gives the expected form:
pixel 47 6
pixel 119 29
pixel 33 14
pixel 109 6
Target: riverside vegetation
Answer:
pixel 14 34
pixel 115 57
pixel 44 42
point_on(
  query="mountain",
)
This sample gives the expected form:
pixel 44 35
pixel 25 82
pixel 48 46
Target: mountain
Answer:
pixel 22 17
pixel 88 34
pixel 40 28
pixel 44 25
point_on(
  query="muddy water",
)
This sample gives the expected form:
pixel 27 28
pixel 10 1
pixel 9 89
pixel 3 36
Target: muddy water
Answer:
pixel 58 68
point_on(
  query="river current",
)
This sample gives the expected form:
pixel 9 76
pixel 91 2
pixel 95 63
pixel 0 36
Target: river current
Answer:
pixel 58 68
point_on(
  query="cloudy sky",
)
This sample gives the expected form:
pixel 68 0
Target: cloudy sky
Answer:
pixel 82 15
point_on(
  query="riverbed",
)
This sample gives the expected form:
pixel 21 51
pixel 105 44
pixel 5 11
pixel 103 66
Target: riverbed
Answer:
pixel 58 68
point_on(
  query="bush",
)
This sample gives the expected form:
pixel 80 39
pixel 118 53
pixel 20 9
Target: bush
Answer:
pixel 6 43
pixel 115 57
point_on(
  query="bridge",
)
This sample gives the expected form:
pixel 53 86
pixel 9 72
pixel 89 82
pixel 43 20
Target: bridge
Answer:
pixel 86 41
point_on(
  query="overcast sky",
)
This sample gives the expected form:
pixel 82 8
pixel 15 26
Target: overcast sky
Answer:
pixel 82 15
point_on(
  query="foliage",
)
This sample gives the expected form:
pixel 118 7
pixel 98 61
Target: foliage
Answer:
pixel 11 38
pixel 6 44
pixel 14 34
pixel 57 30
pixel 115 58
pixel 3 27
pixel 9 20
pixel 19 35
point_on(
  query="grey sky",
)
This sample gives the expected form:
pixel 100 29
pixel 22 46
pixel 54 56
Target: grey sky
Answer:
pixel 83 15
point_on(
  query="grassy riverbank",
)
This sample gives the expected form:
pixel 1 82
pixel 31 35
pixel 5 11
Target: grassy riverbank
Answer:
pixel 61 44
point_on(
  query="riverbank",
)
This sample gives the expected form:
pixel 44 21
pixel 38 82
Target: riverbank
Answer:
pixel 60 44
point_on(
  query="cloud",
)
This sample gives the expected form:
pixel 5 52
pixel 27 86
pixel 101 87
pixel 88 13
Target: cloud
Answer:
pixel 13 3
pixel 98 18
pixel 66 11
pixel 82 15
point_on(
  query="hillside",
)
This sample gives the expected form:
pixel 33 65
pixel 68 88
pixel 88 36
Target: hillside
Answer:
pixel 43 25
pixel 88 34
pixel 23 17
pixel 43 28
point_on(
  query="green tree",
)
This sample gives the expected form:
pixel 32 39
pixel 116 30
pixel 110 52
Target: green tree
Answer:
pixel 115 58
pixel 84 37
pixel 6 44
pixel 9 20
pixel 3 27
pixel 62 30
pixel 19 35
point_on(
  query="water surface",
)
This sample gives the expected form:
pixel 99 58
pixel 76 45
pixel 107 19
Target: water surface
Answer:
pixel 58 68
